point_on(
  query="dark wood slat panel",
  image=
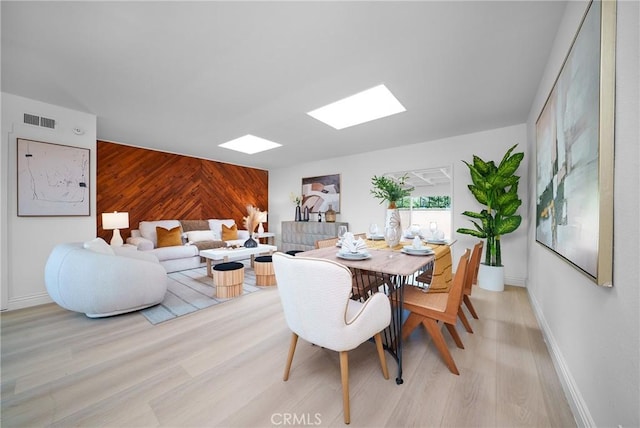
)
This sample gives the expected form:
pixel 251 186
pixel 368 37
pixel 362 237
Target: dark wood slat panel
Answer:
pixel 153 185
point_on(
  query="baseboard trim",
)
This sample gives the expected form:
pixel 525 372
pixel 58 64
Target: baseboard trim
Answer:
pixel 515 280
pixel 28 301
pixel 576 402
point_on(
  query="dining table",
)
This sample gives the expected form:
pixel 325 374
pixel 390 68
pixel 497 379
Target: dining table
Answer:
pixel 388 270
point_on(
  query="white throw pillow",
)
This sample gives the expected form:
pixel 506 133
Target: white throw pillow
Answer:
pixel 200 235
pixel 216 226
pixel 99 245
pixel 148 229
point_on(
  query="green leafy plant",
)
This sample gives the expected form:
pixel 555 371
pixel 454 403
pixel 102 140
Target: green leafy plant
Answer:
pixel 390 190
pixel 495 187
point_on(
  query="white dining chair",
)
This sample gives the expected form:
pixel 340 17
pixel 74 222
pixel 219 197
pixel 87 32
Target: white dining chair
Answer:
pixel 315 298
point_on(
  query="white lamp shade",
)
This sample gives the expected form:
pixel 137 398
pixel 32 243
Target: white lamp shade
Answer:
pixel 115 220
pixel 263 217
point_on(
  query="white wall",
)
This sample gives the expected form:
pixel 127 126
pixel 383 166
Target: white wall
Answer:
pixel 593 332
pixel 27 241
pixel 359 208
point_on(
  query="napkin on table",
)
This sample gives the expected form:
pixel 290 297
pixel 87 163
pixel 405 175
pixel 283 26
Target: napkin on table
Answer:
pixel 351 245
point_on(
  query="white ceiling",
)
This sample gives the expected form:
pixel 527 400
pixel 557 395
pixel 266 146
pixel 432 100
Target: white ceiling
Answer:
pixel 186 76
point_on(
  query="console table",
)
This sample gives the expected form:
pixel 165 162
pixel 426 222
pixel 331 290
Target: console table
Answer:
pixel 302 235
pixel 268 236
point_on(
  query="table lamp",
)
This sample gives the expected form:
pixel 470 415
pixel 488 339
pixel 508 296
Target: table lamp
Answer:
pixel 262 219
pixel 115 221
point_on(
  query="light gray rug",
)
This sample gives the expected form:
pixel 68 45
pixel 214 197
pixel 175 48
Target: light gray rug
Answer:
pixel 191 290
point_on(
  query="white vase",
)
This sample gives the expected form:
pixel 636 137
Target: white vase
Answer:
pixel 393 221
pixel 491 277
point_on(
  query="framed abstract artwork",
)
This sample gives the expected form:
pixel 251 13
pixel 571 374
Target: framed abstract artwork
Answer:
pixel 318 193
pixel 53 180
pixel 574 148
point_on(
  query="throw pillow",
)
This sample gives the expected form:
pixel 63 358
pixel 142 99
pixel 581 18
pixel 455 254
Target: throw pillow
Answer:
pixel 170 237
pixel 200 235
pixel 99 245
pixel 191 225
pixel 229 233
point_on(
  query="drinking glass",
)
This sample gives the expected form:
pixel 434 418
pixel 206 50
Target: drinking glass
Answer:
pixel 341 231
pixel 373 230
pixel 390 236
pixel 433 227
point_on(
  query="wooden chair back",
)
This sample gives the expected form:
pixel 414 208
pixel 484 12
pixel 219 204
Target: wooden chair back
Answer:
pixel 476 263
pixel 474 266
pixel 457 286
pixel 329 242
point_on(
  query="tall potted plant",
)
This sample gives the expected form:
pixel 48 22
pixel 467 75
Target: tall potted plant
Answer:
pixel 391 191
pixel 495 187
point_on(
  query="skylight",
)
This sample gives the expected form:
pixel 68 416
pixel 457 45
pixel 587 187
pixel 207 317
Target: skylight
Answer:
pixel 365 106
pixel 250 144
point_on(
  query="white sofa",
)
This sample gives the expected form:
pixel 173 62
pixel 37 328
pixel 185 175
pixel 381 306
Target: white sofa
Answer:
pixel 101 280
pixel 185 256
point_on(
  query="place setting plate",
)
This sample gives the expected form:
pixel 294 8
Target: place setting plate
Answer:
pixel 376 237
pixel 437 241
pixel 424 251
pixel 353 256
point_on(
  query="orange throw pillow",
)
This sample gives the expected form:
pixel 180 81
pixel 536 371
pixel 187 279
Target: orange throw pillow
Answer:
pixel 229 233
pixel 169 238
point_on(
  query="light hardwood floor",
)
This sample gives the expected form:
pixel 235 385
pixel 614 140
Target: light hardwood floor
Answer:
pixel 223 366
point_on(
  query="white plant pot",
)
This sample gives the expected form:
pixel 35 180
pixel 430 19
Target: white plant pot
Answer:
pixel 491 277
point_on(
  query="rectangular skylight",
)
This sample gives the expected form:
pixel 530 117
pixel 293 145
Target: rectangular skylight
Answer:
pixel 250 144
pixel 365 106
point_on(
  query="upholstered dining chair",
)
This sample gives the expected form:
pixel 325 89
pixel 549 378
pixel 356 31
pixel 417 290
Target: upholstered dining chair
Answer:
pixel 430 308
pixel 315 298
pixel 474 266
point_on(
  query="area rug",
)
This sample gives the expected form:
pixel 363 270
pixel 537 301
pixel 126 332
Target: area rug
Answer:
pixel 189 291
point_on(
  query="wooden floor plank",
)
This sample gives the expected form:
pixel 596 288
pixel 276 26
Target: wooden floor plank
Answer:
pixel 223 366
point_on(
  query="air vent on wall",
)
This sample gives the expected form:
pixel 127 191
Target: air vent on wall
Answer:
pixel 45 122
pixel 48 123
pixel 31 119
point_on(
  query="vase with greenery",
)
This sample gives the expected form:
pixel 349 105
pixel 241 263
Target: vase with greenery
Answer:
pixel 391 191
pixel 495 187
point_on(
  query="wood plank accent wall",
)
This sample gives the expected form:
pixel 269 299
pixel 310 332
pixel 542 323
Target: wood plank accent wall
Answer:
pixel 153 185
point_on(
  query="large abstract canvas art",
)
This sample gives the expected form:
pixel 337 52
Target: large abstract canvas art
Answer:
pixel 53 179
pixel 575 151
pixel 321 193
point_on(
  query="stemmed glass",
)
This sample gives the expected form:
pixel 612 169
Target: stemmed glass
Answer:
pixel 390 236
pixel 341 231
pixel 433 227
pixel 373 230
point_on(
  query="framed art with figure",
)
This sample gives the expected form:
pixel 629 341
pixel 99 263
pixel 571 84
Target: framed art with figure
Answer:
pixel 321 193
pixel 574 148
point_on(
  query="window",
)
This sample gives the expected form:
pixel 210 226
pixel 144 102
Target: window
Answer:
pixel 431 200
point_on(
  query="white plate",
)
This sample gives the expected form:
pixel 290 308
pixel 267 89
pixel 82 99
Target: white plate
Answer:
pixel 409 248
pixel 376 237
pixel 436 241
pixel 417 253
pixel 353 256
